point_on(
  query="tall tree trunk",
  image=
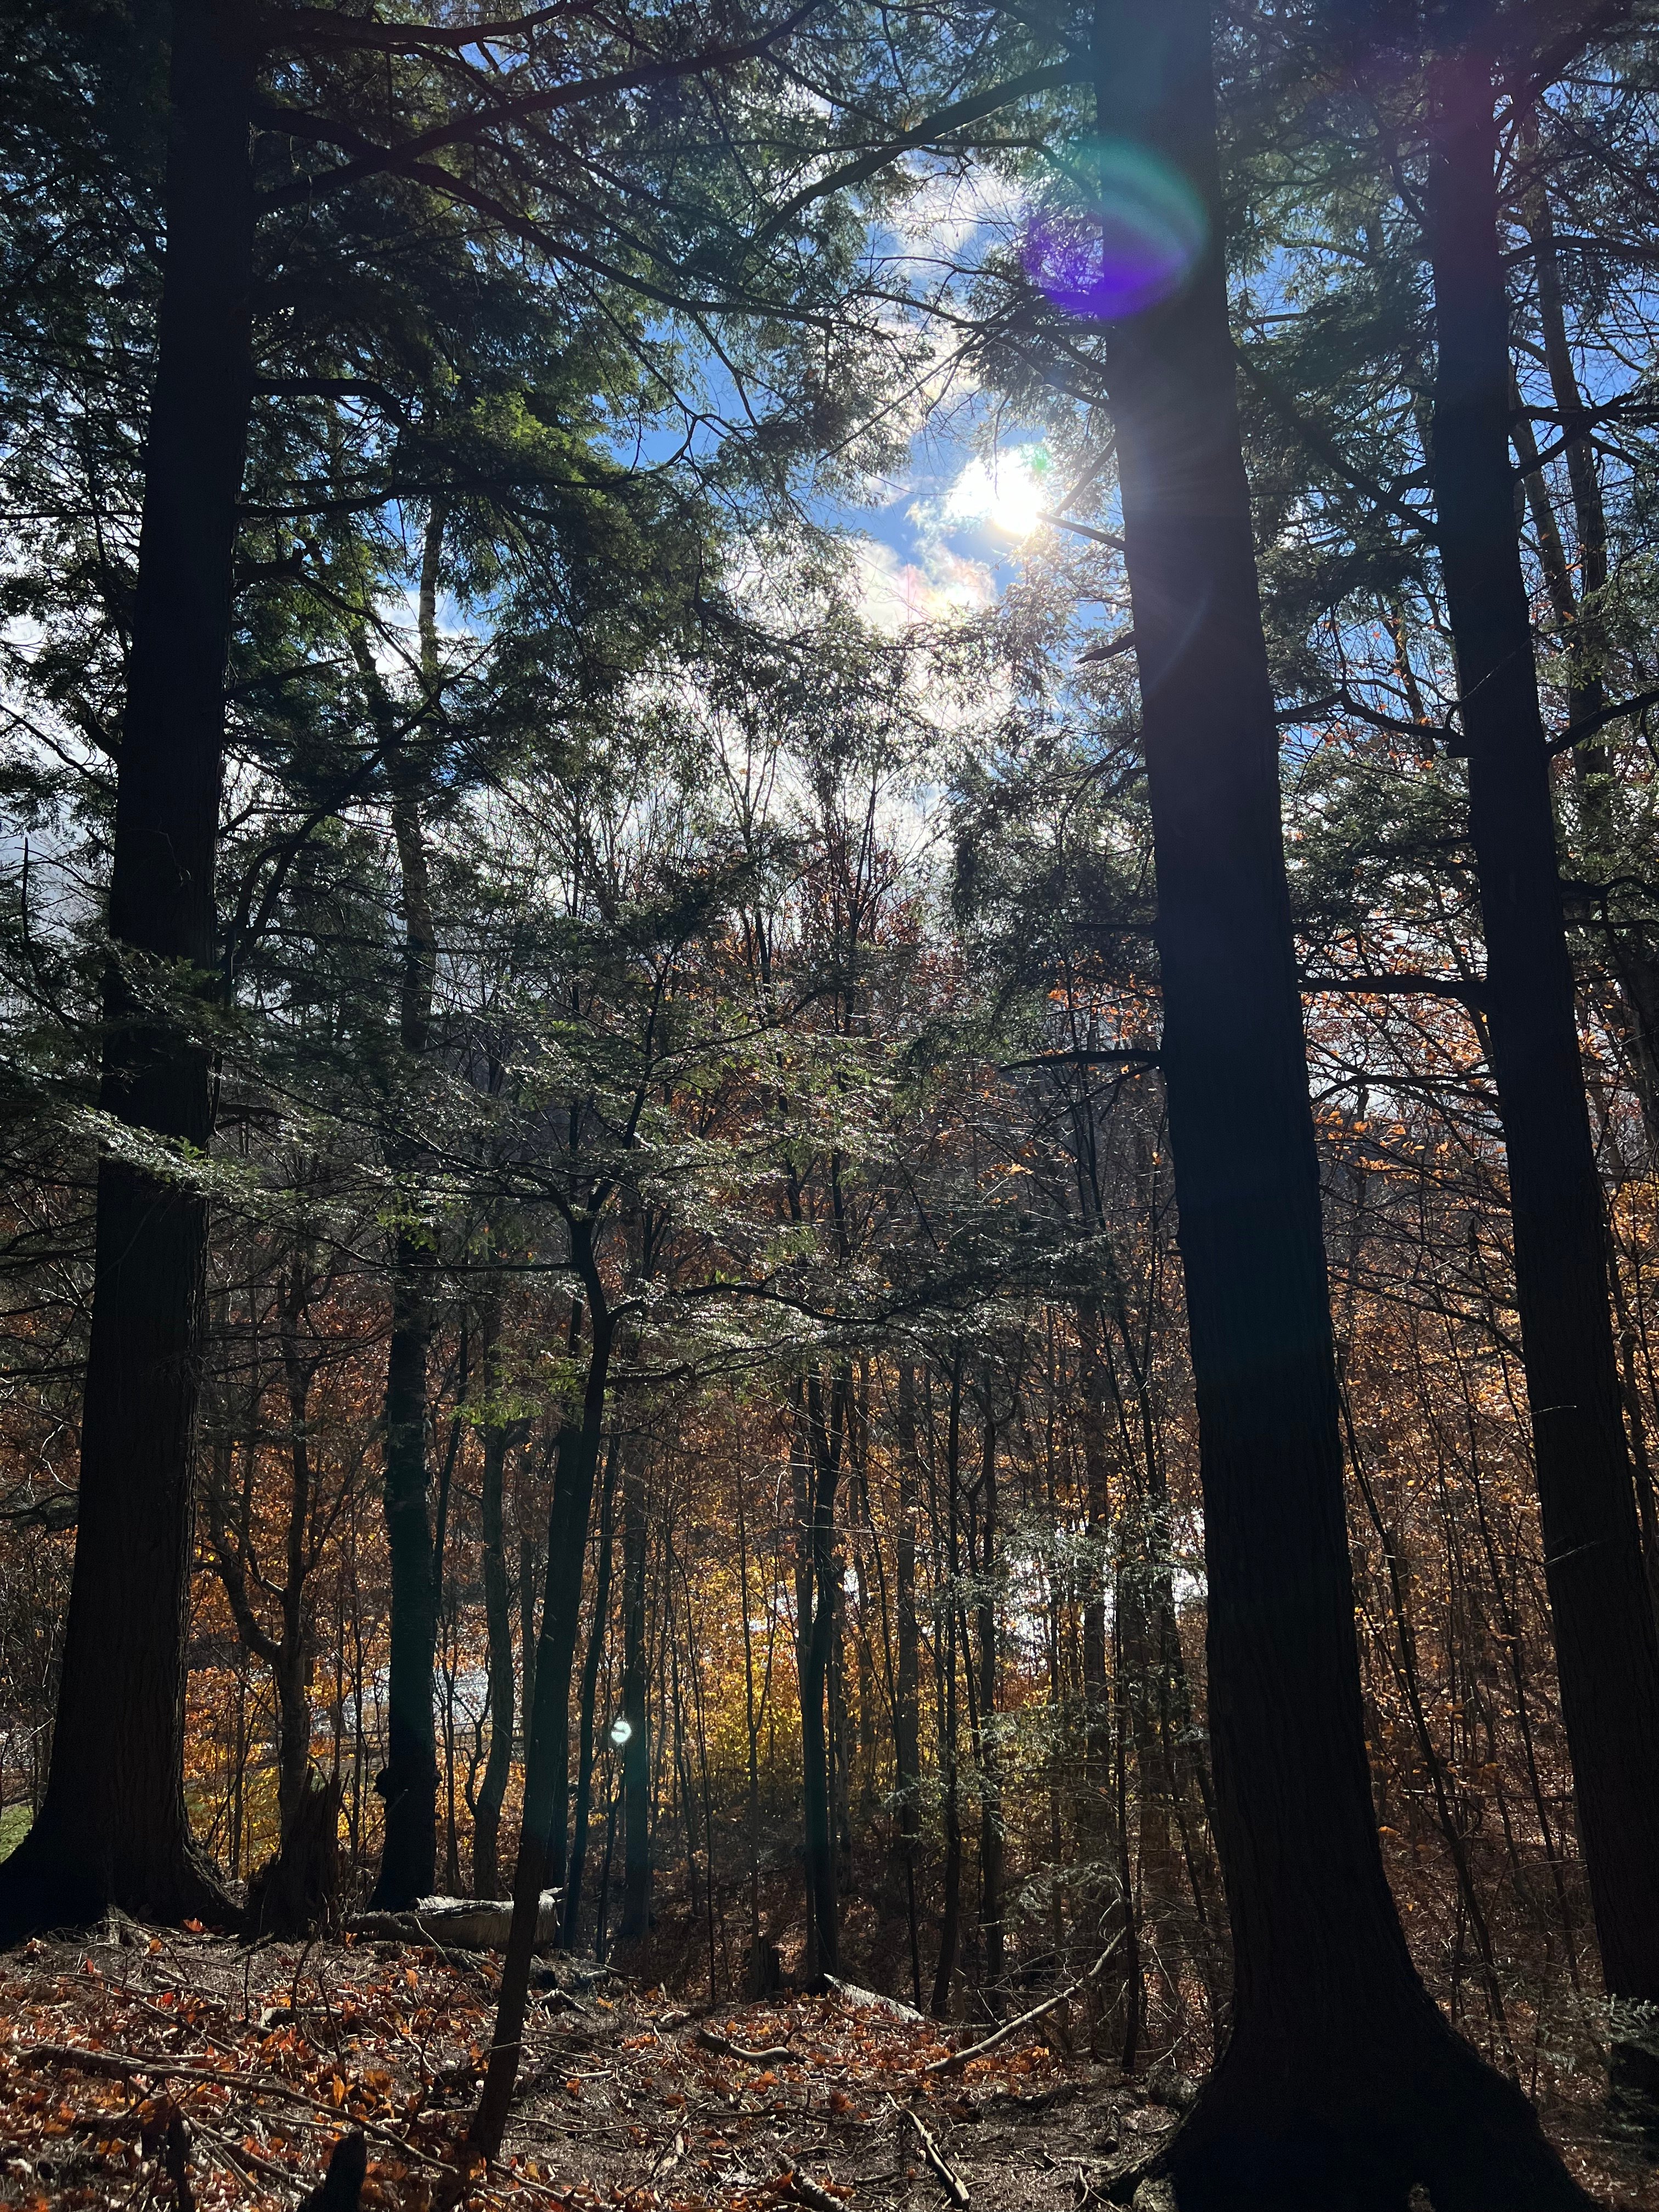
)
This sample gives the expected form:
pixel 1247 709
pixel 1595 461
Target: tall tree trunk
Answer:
pixel 1096 1720
pixel 1630 947
pixel 409 1783
pixel 595 1653
pixel 529 1583
pixel 498 1625
pixel 636 1751
pixel 112 1828
pixel 1606 1652
pixel 547 1765
pixel 906 1689
pixel 409 1780
pixel 758 1977
pixel 822 1430
pixel 944 1647
pixel 293 1705
pixel 1342 2083
pixel 986 1755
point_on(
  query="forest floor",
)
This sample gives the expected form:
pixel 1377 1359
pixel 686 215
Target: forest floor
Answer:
pixel 151 2068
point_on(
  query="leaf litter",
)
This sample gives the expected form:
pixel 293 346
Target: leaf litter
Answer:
pixel 627 2102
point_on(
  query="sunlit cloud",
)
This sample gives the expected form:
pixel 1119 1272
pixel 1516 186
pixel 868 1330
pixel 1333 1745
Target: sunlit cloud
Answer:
pixel 1006 491
pixel 937 585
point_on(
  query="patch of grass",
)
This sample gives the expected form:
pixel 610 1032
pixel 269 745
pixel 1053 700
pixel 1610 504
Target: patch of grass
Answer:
pixel 14 1820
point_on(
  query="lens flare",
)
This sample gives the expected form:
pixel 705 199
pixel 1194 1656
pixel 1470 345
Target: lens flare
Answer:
pixel 1122 230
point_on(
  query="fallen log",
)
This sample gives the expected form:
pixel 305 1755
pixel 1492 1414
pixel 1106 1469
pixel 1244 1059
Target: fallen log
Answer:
pixel 458 1924
pixel 854 1993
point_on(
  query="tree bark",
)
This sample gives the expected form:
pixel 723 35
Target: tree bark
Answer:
pixel 595 1653
pixel 1096 1696
pixel 1606 1652
pixel 945 1648
pixel 287 1652
pixel 636 1752
pixel 112 1828
pixel 498 1624
pixel 409 1780
pixel 546 1765
pixel 821 1431
pixel 986 1757
pixel 409 1783
pixel 1342 2083
pixel 907 1694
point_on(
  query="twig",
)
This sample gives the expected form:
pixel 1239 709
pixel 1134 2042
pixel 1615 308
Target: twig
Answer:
pixel 245 2162
pixel 952 2059
pixel 949 2179
pixel 793 2182
pixel 773 2054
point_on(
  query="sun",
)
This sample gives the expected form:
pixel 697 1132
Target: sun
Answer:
pixel 1006 490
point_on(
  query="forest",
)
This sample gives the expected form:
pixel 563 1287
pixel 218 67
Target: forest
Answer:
pixel 830 1088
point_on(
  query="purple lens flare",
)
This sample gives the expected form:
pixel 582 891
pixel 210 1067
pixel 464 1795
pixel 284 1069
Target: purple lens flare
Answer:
pixel 1120 230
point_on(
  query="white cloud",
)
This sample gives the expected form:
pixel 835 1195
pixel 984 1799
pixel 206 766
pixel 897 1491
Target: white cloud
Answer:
pixel 1007 490
pixel 895 595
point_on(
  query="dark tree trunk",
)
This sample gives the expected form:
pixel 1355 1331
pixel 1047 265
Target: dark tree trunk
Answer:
pixel 944 1647
pixel 758 1979
pixel 1341 2085
pixel 1097 1724
pixel 823 1432
pixel 595 1653
pixel 112 1828
pixel 529 1583
pixel 547 1764
pixel 1606 1652
pixel 293 1707
pixel 285 1652
pixel 498 1623
pixel 636 1752
pixel 907 1692
pixel 1575 594
pixel 409 1783
pixel 986 1757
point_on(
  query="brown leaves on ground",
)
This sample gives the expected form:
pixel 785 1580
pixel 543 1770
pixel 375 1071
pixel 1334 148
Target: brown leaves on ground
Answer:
pixel 627 2102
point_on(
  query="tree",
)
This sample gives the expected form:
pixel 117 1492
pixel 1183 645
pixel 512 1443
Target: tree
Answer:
pixel 1606 1649
pixel 113 1827
pixel 1341 2081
